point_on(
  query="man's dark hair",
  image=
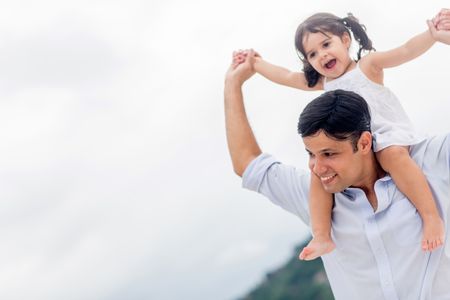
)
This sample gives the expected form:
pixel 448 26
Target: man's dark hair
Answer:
pixel 341 115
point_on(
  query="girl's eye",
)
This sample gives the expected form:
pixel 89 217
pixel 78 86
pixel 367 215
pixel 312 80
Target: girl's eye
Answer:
pixel 311 55
pixel 326 44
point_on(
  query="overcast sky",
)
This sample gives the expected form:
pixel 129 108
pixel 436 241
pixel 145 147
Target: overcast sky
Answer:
pixel 115 181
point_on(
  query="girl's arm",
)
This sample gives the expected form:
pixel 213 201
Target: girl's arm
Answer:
pixel 283 76
pixel 413 48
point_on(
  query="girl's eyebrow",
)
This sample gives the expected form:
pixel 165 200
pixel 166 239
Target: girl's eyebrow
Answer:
pixel 321 42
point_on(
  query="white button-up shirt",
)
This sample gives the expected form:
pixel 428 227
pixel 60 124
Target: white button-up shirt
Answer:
pixel 378 254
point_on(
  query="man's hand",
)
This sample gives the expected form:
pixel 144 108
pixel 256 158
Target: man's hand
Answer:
pixel 239 56
pixel 241 68
pixel 242 144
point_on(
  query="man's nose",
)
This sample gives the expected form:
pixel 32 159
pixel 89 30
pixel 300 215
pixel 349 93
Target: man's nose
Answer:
pixel 318 167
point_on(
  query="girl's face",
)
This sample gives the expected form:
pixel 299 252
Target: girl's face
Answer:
pixel 328 53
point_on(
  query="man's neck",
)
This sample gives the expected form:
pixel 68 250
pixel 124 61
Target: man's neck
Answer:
pixel 373 172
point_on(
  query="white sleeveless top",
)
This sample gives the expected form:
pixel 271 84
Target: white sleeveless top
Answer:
pixel 390 124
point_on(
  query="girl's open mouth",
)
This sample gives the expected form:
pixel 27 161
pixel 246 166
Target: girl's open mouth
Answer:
pixel 330 64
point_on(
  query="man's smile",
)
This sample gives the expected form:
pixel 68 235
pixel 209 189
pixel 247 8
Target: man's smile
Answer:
pixel 327 179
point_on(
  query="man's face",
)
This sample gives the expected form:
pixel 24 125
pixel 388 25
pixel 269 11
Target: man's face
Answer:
pixel 335 162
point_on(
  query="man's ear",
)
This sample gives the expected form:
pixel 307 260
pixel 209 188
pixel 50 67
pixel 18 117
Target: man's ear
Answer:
pixel 365 142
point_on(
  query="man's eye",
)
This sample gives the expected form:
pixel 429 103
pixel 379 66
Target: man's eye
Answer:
pixel 326 44
pixel 328 154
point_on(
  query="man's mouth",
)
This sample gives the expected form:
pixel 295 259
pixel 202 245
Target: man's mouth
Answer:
pixel 327 179
pixel 330 64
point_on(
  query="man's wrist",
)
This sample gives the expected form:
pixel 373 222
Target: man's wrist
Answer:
pixel 233 83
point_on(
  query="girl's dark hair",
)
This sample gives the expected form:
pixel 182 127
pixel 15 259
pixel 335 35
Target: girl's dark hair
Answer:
pixel 329 23
pixel 341 115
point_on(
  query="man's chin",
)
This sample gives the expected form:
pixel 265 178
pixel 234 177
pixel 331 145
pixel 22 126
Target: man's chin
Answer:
pixel 332 189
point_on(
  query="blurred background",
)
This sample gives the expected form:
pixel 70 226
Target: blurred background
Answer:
pixel 115 180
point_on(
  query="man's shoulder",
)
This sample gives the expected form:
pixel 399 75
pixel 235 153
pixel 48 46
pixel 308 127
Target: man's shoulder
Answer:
pixel 431 146
pixel 265 164
pixel 432 155
pixel 285 185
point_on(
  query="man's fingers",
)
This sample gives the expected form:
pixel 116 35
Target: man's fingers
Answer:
pixel 238 57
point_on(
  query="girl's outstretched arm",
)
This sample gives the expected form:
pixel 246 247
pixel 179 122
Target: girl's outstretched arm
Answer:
pixel 410 50
pixel 414 47
pixel 283 76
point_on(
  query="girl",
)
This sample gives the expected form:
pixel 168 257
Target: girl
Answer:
pixel 323 42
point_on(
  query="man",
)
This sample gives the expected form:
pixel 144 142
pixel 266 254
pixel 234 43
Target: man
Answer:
pixel 377 230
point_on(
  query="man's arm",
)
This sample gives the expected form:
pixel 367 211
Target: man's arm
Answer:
pixel 242 144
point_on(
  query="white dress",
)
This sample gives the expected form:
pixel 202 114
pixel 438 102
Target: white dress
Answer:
pixel 390 124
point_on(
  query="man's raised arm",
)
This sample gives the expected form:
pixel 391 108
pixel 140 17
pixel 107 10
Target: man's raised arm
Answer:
pixel 241 140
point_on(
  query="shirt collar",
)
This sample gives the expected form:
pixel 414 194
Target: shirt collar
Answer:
pixel 383 202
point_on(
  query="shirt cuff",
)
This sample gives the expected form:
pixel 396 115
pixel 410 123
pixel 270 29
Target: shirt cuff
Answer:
pixel 255 171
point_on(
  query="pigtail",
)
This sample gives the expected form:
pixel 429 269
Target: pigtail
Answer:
pixel 359 33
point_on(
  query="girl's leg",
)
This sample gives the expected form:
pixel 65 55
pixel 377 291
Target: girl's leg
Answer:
pixel 320 205
pixel 412 182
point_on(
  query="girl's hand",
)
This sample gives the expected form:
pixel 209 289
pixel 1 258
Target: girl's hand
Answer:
pixel 240 55
pixel 442 36
pixel 238 73
pixel 442 20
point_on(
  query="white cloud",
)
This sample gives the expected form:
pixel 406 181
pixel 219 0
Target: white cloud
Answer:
pixel 116 182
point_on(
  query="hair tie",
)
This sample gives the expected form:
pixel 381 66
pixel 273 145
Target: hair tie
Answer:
pixel 345 21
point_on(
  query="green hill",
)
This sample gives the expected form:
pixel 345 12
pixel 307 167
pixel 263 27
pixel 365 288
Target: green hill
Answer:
pixel 299 280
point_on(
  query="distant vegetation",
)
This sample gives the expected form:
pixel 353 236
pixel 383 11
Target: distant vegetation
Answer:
pixel 299 280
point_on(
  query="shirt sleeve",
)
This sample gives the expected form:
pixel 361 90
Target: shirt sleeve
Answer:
pixel 284 185
pixel 432 156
